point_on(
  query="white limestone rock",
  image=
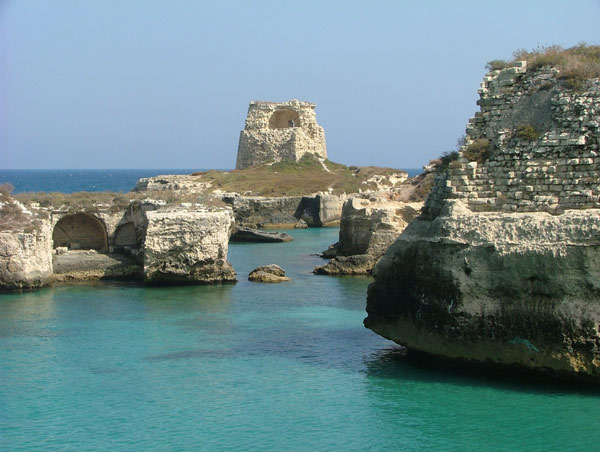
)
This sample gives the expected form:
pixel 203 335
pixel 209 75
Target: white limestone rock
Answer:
pixel 187 246
pixel 26 258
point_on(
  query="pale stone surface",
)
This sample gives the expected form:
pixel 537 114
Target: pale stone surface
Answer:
pixel 280 131
pixel 370 223
pixel 26 258
pixel 519 289
pixel 498 268
pixel 188 247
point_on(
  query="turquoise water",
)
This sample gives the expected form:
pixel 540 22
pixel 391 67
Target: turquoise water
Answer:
pixel 253 367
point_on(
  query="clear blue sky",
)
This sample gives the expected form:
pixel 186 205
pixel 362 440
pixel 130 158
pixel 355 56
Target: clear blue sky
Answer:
pixel 166 84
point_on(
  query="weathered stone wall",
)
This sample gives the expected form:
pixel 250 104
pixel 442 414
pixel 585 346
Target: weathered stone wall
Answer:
pixel 555 166
pixel 280 131
pixel 26 258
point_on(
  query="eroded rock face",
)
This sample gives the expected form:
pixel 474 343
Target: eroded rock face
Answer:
pixel 26 258
pixel 370 223
pixel 519 289
pixel 188 247
pixel 500 267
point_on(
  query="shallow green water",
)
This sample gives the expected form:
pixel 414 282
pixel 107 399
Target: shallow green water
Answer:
pixel 253 367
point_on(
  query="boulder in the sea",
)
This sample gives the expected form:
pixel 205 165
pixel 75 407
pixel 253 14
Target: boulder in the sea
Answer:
pixel 188 246
pixel 268 274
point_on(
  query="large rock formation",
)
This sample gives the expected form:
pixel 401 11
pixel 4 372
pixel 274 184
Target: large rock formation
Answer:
pixel 26 258
pixel 280 131
pixel 188 247
pixel 370 223
pixel 500 268
pixel 285 211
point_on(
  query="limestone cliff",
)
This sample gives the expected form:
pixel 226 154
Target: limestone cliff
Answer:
pixel 188 247
pixel 503 265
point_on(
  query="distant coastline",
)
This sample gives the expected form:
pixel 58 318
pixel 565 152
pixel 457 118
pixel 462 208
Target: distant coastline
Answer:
pixel 74 180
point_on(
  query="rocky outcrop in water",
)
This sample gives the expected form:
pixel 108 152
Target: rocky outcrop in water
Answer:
pixel 26 258
pixel 370 223
pixel 501 268
pixel 188 247
pixel 268 274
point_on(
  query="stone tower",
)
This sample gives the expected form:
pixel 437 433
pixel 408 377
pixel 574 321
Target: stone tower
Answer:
pixel 278 131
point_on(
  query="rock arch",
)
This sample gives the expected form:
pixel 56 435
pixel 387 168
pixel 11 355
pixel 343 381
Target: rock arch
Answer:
pixel 80 231
pixel 284 118
pixel 125 235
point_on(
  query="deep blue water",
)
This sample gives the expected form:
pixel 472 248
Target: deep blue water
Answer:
pixel 69 181
pixel 253 367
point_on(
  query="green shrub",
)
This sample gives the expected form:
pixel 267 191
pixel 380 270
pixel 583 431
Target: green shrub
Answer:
pixel 527 132
pixel 446 158
pixel 478 151
pixel 575 64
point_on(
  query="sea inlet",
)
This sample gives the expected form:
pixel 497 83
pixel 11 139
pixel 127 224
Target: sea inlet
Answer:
pixel 254 367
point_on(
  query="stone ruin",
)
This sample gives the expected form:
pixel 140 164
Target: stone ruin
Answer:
pixel 276 131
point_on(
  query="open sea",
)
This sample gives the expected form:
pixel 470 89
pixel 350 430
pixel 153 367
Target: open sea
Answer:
pixel 254 367
pixel 69 181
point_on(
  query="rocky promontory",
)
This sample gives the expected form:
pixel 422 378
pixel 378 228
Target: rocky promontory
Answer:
pixel 370 223
pixel 502 266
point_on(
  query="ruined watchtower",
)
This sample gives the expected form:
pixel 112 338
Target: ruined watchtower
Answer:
pixel 277 131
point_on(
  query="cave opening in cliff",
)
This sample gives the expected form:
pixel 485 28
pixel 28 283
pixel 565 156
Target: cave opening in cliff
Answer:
pixel 284 118
pixel 80 231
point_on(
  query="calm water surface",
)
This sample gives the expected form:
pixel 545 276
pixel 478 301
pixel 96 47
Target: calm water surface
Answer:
pixel 252 367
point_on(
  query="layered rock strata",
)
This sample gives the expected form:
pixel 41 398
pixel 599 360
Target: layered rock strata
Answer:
pixel 188 247
pixel 503 265
pixel 370 223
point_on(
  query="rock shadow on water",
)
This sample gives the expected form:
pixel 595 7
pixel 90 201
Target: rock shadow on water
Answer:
pixel 399 363
pixel 189 354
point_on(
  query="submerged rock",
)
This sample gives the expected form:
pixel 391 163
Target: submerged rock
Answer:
pixel 268 274
pixel 188 247
pixel 243 234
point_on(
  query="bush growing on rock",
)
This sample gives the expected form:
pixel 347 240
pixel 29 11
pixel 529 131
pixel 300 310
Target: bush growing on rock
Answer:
pixel 478 151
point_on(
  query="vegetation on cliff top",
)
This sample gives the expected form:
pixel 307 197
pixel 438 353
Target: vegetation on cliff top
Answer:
pixel 306 176
pixel 575 64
